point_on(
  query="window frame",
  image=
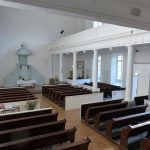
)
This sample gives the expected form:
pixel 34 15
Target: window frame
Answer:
pixel 119 78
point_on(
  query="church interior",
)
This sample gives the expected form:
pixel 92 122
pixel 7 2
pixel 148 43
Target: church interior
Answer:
pixel 74 75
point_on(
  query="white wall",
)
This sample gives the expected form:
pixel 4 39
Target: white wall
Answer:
pixel 142 67
pixel 37 30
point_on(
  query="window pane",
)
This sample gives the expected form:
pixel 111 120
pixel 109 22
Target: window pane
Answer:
pixel 99 68
pixel 97 24
pixel 119 68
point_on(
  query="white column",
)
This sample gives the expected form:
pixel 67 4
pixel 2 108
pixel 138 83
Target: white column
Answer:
pixel 129 75
pixel 94 73
pixel 61 67
pixel 50 64
pixel 74 67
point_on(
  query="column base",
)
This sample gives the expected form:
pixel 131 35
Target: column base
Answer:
pixel 95 90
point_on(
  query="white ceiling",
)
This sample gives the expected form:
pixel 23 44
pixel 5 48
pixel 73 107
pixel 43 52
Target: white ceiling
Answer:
pixel 110 11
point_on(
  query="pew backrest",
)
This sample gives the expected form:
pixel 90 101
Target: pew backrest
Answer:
pixel 132 131
pixel 30 131
pixel 84 107
pixel 81 145
pixel 108 115
pixel 92 111
pixel 26 121
pixel 26 114
pixel 41 141
pixel 127 120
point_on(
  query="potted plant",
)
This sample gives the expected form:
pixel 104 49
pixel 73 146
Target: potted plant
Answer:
pixel 30 105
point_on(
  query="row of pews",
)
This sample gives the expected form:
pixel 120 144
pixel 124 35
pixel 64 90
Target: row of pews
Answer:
pixel 15 94
pixel 128 126
pixel 106 88
pixel 58 93
pixel 37 129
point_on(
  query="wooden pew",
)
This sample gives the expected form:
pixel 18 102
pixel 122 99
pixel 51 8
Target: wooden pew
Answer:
pixel 45 90
pixel 145 144
pixel 40 141
pixel 30 131
pixel 108 115
pixel 56 93
pixel 134 134
pixel 18 99
pixel 84 107
pixel 28 113
pixel 26 121
pixel 92 111
pixel 139 100
pixel 12 89
pixel 62 96
pixel 81 145
pixel 15 94
pixel 117 124
pixel 61 100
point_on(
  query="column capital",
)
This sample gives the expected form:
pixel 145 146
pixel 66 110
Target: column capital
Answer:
pixel 128 46
pixel 95 50
pixel 75 52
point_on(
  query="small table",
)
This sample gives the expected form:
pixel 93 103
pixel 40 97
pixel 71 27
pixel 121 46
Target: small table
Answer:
pixel 26 83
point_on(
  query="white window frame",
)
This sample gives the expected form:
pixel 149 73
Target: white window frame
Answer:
pixel 97 24
pixel 99 68
pixel 119 78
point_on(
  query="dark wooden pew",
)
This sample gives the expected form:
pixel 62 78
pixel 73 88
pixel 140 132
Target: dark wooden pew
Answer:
pixel 139 100
pixel 92 111
pixel 117 124
pixel 26 121
pixel 84 107
pixel 81 145
pixel 61 96
pixel 12 89
pixel 51 92
pixel 15 94
pixel 40 141
pixel 18 99
pixel 44 88
pixel 56 93
pixel 145 144
pixel 28 113
pixel 134 134
pixel 108 115
pixel 61 100
pixel 30 131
